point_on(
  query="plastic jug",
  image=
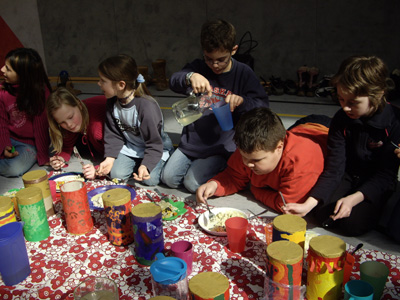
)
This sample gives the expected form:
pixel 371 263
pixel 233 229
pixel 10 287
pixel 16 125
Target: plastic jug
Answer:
pixel 169 277
pixel 190 109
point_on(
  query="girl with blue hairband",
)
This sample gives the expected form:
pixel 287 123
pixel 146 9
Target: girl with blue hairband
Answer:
pixel 134 138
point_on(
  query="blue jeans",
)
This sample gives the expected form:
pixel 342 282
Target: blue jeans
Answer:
pixel 191 172
pixel 18 165
pixel 124 166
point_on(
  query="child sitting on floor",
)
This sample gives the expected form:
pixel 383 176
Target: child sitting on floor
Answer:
pixel 204 148
pixel 24 137
pixel 281 166
pixel 361 167
pixel 72 122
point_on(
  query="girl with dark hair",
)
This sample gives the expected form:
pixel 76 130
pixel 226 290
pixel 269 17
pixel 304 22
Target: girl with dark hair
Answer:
pixel 24 137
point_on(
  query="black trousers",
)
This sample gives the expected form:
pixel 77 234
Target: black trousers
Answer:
pixel 364 216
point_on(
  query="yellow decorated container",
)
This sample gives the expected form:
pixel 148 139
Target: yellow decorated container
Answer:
pixel 38 178
pixel 289 227
pixel 209 286
pixel 7 214
pixel 326 256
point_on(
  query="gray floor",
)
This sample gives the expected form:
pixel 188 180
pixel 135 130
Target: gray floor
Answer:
pixel 290 108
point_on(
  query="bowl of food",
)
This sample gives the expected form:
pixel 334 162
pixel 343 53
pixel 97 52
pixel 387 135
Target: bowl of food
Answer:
pixel 95 196
pixel 216 225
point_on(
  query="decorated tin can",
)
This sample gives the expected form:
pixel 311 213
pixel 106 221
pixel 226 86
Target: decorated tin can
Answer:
pixel 33 214
pixel 210 286
pixel 284 269
pixel 38 178
pixel 148 232
pixel 7 214
pixel 117 205
pixel 289 227
pixel 76 207
pixel 326 256
pixel 162 298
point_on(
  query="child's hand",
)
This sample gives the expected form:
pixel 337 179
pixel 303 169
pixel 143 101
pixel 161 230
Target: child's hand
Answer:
pixel 57 162
pixel 142 174
pixel 105 166
pixel 10 152
pixel 345 205
pixel 200 84
pixel 300 209
pixel 89 171
pixel 397 152
pixel 234 101
pixel 205 191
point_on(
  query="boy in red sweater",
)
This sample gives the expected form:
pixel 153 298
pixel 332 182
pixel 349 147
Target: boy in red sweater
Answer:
pixel 281 166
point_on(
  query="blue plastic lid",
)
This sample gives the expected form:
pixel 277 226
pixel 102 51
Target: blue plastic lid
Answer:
pixel 168 270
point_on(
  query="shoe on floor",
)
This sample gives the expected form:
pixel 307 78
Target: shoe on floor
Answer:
pixel 277 86
pixel 290 87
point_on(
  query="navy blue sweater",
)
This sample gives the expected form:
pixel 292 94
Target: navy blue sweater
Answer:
pixel 204 137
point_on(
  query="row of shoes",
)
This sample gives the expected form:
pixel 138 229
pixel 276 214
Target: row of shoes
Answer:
pixel 307 85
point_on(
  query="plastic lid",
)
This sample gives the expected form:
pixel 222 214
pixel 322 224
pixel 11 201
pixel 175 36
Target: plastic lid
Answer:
pixel 168 270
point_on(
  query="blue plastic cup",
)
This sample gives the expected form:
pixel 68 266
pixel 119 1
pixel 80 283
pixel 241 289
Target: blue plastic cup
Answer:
pixel 358 290
pixel 224 116
pixel 14 262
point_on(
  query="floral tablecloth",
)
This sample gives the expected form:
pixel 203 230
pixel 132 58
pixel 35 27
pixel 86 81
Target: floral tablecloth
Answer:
pixel 61 261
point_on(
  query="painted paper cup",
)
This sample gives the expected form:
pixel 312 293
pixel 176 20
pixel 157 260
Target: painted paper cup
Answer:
pixel 76 207
pixel 210 286
pixel 38 178
pixel 326 258
pixel 117 206
pixel 7 214
pixel 33 214
pixel 289 227
pixel 148 232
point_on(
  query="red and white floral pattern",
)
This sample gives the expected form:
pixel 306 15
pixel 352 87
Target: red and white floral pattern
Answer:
pixel 61 261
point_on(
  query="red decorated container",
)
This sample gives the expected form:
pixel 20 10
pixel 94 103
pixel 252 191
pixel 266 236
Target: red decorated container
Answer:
pixel 76 207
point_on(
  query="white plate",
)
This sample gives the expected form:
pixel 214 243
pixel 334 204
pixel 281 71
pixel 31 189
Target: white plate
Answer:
pixel 203 218
pixel 66 177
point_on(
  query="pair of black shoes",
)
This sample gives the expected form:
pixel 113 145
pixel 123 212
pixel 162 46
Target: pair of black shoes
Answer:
pixel 279 87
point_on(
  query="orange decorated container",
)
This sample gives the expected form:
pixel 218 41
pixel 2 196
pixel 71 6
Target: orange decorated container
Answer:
pixel 117 205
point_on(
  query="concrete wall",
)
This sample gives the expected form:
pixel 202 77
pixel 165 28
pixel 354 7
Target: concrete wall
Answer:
pixel 78 34
pixel 21 16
